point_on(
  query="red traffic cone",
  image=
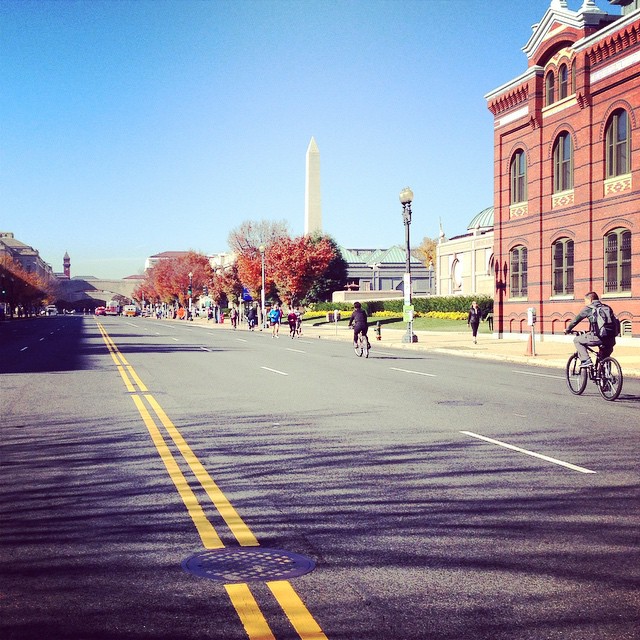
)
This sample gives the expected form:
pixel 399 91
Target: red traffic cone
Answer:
pixel 529 346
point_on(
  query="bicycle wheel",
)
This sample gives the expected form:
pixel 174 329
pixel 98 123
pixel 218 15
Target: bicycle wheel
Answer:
pixel 576 377
pixel 609 378
pixel 365 346
pixel 358 347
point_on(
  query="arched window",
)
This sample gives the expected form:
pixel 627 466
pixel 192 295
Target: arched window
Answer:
pixel 518 261
pixel 563 82
pixel 617 261
pixel 456 275
pixel 563 163
pixel 562 257
pixel 574 78
pixel 618 141
pixel 518 171
pixel 550 85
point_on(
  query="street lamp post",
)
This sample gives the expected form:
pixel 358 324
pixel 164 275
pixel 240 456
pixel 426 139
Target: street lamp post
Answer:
pixel 190 292
pixel 261 248
pixel 406 197
pixel 376 267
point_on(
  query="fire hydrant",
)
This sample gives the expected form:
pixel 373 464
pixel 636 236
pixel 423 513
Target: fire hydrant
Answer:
pixel 378 330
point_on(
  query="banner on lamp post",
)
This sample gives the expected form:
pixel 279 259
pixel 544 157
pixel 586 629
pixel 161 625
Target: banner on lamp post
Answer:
pixel 407 288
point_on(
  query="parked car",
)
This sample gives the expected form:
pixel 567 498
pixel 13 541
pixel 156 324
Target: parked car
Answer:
pixel 51 310
pixel 101 311
pixel 130 310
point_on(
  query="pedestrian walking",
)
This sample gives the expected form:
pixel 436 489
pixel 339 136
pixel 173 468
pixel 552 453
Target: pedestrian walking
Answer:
pixel 292 319
pixel 473 320
pixel 275 316
pixel 252 318
pixel 298 321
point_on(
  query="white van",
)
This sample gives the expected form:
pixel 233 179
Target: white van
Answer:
pixel 130 310
pixel 51 310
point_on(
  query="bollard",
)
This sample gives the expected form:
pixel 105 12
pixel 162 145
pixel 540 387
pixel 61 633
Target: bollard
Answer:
pixel 378 331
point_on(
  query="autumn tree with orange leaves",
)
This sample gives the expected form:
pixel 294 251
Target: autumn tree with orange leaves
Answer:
pixel 22 288
pixel 297 264
pixel 168 280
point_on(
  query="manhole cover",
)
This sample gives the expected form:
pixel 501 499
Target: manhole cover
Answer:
pixel 248 564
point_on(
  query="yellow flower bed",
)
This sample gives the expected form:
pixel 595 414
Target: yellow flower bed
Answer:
pixel 448 315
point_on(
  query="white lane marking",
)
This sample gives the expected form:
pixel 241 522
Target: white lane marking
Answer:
pixel 205 349
pixel 296 350
pixel 176 339
pixel 540 375
pixel 418 373
pixel 282 373
pixel 24 348
pixel 41 339
pixel 305 341
pixel 241 340
pixel 568 465
pixel 131 324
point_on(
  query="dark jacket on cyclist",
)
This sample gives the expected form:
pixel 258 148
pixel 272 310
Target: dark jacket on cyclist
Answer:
pixel 590 339
pixel 358 321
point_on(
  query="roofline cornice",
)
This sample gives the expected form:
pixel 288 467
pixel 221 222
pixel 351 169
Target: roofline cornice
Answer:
pixel 530 73
pixel 621 23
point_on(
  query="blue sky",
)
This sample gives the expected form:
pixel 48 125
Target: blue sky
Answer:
pixel 131 128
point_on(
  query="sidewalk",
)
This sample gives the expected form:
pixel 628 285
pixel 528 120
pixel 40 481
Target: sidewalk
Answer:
pixel 553 351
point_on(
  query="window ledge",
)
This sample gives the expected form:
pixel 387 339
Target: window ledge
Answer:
pixel 518 209
pixel 617 184
pixel 559 105
pixel 562 199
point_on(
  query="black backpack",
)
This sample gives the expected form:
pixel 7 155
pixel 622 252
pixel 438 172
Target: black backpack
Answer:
pixel 605 324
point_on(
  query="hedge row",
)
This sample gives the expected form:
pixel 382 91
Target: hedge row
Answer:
pixel 444 304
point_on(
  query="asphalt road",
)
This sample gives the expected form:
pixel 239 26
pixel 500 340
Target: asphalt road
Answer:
pixel 429 497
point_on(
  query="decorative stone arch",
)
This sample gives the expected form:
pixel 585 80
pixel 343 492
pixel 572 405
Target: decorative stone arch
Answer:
pixel 517 146
pixel 517 323
pixel 559 322
pixel 615 106
pixel 516 242
pixel 491 264
pixel 456 275
pixel 616 223
pixel 558 130
pixel 563 233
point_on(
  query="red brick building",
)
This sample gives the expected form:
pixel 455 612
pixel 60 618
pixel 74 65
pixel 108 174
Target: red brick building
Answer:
pixel 567 171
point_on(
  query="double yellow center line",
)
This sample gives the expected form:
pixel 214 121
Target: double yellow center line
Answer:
pixel 240 594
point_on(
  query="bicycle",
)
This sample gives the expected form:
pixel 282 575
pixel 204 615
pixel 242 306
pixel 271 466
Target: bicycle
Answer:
pixel 361 347
pixel 605 373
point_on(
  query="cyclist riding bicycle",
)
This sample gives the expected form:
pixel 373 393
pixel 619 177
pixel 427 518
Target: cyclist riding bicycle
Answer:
pixel 358 321
pixel 590 338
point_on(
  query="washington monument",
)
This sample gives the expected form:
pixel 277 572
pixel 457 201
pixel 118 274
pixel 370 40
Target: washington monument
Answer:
pixel 312 200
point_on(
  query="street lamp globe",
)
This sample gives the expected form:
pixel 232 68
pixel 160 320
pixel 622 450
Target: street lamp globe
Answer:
pixel 406 196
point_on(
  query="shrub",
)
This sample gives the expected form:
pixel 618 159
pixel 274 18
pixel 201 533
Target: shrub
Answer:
pixel 422 306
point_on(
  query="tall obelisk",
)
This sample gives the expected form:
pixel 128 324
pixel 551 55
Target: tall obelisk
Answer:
pixel 312 199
